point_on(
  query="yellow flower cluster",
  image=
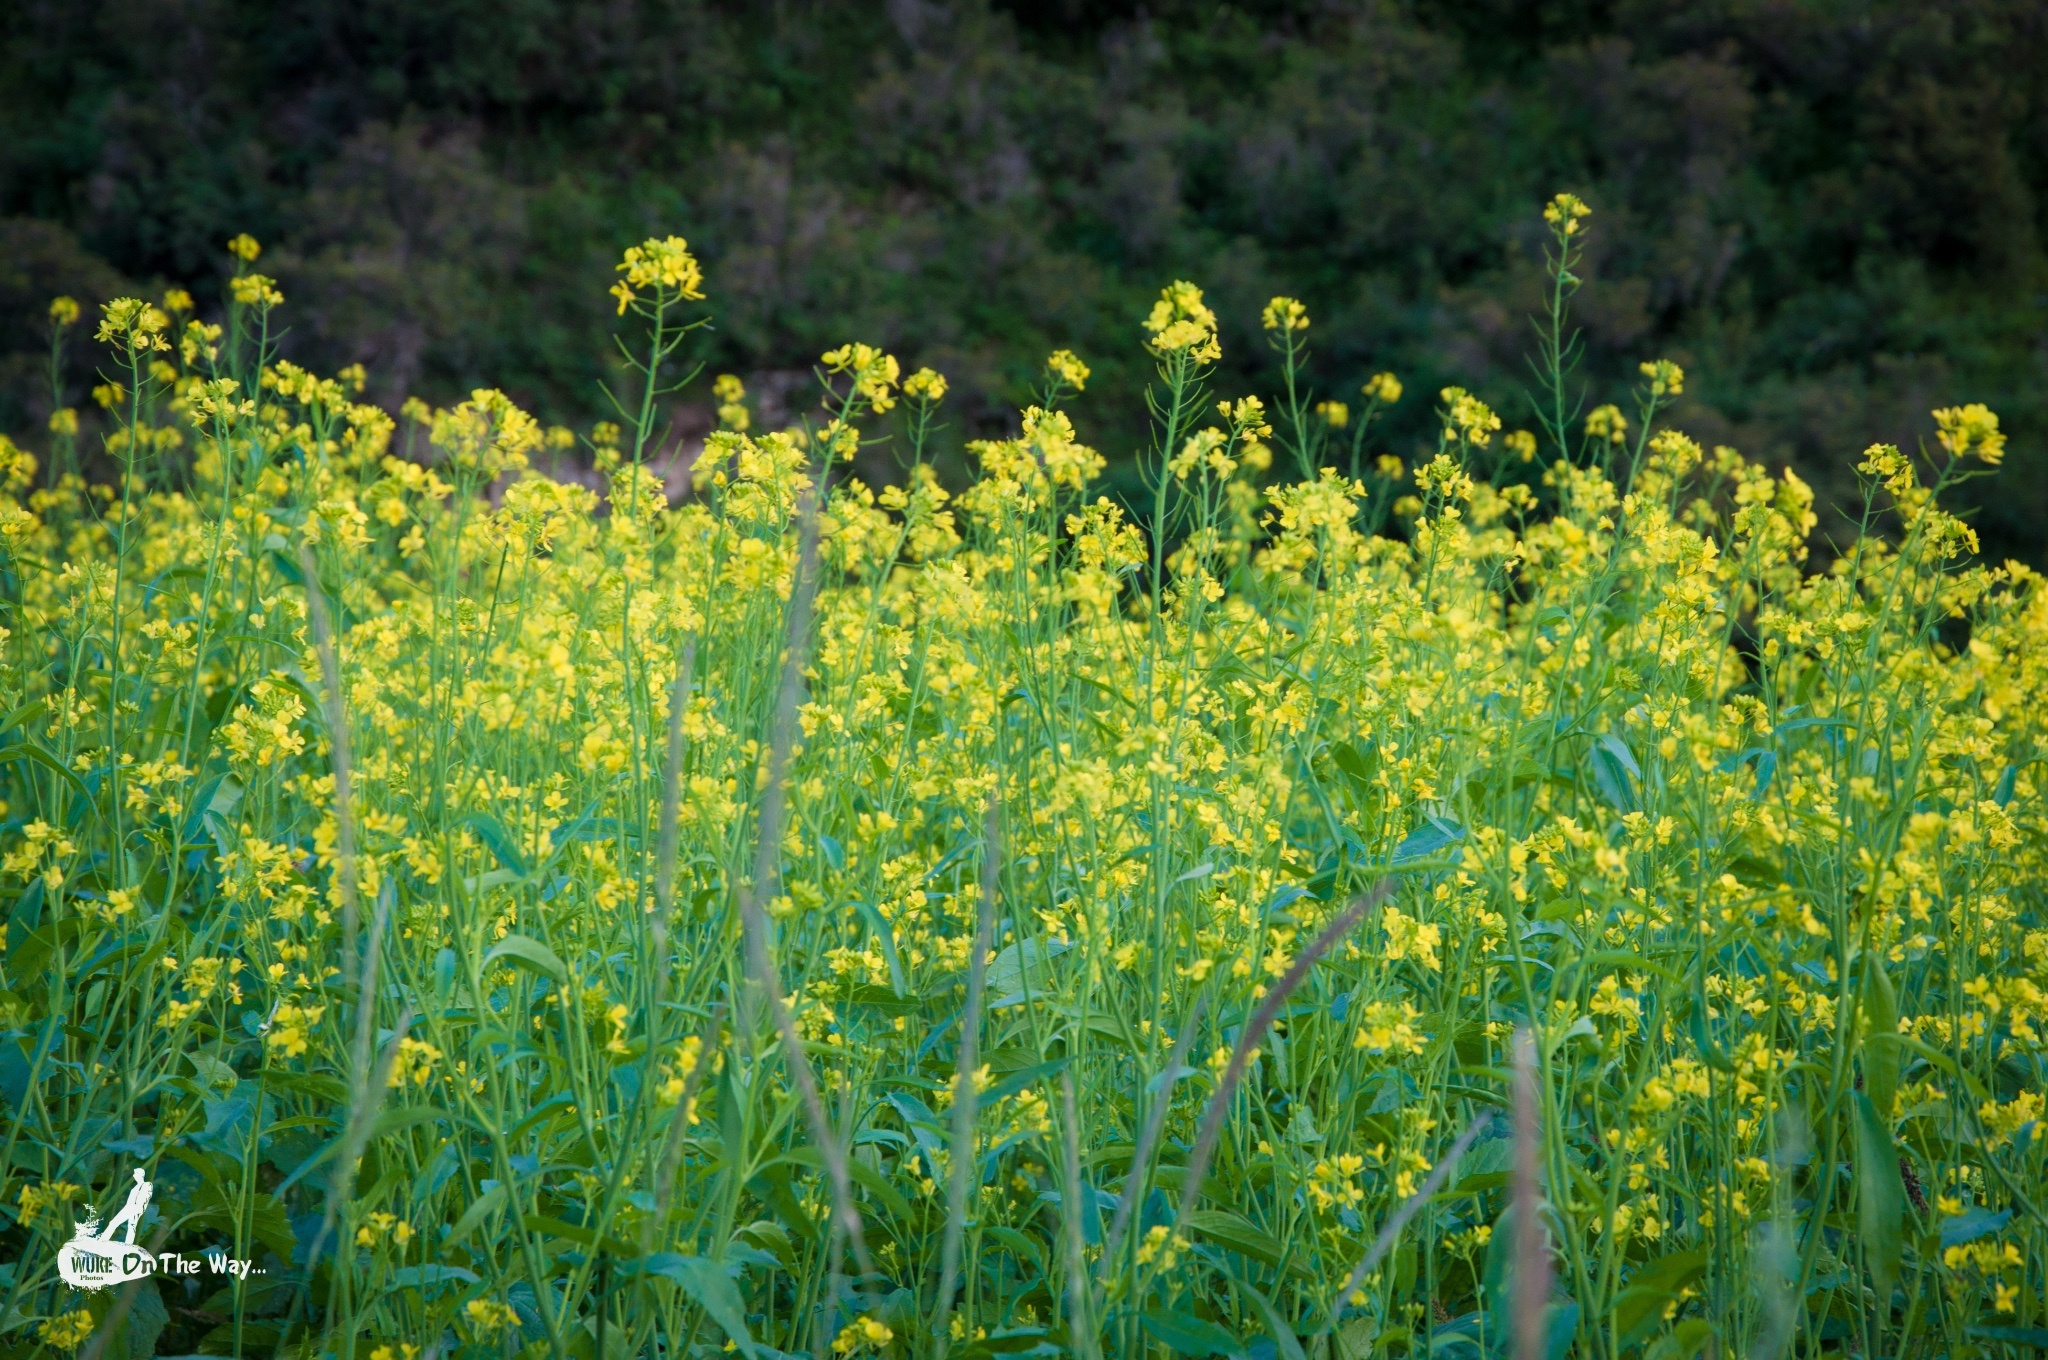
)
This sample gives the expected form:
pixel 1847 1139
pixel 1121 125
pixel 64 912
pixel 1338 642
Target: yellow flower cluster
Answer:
pixel 337 741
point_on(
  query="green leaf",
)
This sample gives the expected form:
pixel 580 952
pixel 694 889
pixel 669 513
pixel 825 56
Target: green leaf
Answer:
pixel 473 1217
pixel 1640 1306
pixel 1880 1058
pixel 1020 965
pixel 1940 1060
pixel 1710 1052
pixel 398 1120
pixel 712 1289
pixel 1241 1235
pixel 1687 1339
pixel 1283 1334
pixel 492 833
pixel 1017 1081
pixel 147 1318
pixel 1881 1198
pixel 1434 834
pixel 1015 1341
pixel 886 937
pixel 569 1232
pixel 1971 1224
pixel 36 755
pixel 1615 772
pixel 1188 1334
pixel 419 1277
pixel 2037 1337
pixel 523 949
pixel 863 1175
pixel 1016 1243
pixel 27 712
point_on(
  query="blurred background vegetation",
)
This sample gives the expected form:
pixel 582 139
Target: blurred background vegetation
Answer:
pixel 1827 210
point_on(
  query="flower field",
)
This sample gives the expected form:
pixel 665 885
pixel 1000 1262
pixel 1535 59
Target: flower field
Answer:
pixel 813 918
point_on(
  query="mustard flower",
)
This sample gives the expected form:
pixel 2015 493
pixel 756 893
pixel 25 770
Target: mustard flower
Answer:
pixel 1383 387
pixel 1607 423
pixel 663 264
pixel 1468 418
pixel 1666 379
pixel 1284 314
pixel 1067 369
pixel 1182 324
pixel 925 385
pixel 1564 213
pixel 874 373
pixel 1970 430
pixel 254 290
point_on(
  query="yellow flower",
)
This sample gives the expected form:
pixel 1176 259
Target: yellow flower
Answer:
pixel 2003 1121
pixel 1284 314
pixel 925 385
pixel 40 1203
pixel 1407 936
pixel 1469 418
pixel 1067 369
pixel 134 323
pixel 255 290
pixel 1158 1245
pixel 488 1317
pixel 873 372
pixel 382 1225
pixel 244 248
pixel 289 1028
pixel 67 1332
pixel 486 434
pixel 63 311
pixel 1181 324
pixel 1564 213
pixel 861 1333
pixel 1968 430
pixel 1608 423
pixel 664 264
pixel 1666 379
pixel 1383 387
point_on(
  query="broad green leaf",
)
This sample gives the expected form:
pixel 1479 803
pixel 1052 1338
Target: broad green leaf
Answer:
pixel 1189 1335
pixel 569 1232
pixel 522 949
pixel 492 833
pixel 1284 1339
pixel 862 1174
pixel 488 1203
pixel 1640 1306
pixel 707 1283
pixel 1880 1197
pixel 1880 1058
pixel 1241 1235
